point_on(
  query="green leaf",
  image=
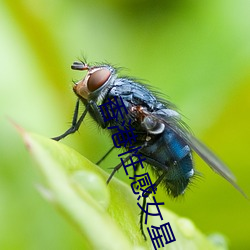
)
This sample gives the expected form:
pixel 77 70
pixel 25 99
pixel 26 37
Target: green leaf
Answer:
pixel 106 215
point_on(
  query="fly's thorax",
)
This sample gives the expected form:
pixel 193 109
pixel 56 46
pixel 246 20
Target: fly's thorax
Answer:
pixel 95 84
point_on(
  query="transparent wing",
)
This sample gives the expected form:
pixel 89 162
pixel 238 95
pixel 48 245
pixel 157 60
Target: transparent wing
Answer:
pixel 175 124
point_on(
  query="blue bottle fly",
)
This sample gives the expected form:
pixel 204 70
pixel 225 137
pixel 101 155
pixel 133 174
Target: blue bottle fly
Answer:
pixel 165 141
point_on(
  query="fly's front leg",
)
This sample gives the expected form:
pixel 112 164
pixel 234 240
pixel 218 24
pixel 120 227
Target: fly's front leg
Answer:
pixel 75 123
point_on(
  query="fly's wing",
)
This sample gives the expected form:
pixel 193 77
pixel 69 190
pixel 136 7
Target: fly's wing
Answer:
pixel 212 160
pixel 175 124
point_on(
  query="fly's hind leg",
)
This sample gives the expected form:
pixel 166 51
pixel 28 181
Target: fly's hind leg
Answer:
pixel 144 202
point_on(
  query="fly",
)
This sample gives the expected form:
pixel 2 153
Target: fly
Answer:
pixel 165 141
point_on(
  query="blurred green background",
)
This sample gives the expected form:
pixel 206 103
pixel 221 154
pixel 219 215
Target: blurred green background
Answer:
pixel 196 52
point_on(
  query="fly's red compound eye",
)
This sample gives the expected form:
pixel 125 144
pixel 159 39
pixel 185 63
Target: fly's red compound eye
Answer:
pixel 97 79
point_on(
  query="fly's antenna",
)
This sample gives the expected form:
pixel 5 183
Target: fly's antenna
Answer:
pixel 80 66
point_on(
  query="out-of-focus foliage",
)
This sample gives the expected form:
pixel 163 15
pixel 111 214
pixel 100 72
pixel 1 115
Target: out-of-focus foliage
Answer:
pixel 197 53
pixel 106 216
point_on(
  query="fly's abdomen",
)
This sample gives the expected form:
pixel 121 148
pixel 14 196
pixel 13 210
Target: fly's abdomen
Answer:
pixel 174 160
pixel 180 168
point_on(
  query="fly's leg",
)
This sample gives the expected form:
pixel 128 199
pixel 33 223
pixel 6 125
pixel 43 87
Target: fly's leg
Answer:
pixel 116 168
pixel 141 218
pixel 75 123
pixel 137 165
pixel 105 155
pixel 144 202
pixel 135 170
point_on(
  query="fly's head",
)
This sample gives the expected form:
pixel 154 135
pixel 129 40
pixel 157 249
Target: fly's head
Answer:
pixel 93 85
